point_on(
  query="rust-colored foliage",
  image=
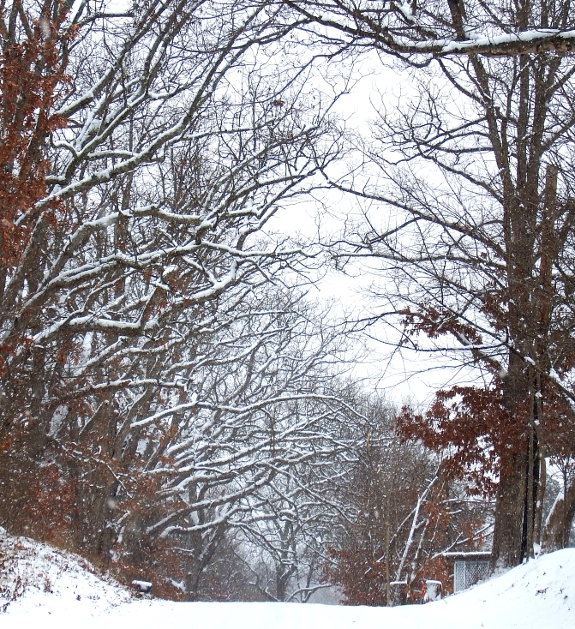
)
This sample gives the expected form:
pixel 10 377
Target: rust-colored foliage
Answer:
pixel 436 321
pixel 474 429
pixel 472 426
pixel 361 578
pixel 360 571
pixel 155 560
pixel 52 504
pixel 31 72
pixel 435 568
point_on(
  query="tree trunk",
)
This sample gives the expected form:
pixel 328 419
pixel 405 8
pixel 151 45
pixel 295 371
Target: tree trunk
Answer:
pixel 509 511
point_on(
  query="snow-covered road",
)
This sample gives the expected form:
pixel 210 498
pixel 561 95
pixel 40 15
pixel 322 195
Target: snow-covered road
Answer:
pixel 59 593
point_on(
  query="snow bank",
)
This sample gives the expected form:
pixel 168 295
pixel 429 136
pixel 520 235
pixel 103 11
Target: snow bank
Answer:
pixel 538 595
pixel 60 590
pixel 38 582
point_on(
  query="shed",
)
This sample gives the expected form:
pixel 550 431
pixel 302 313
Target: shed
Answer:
pixel 469 567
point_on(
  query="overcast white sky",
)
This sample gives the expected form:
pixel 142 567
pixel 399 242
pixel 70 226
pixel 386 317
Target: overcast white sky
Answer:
pixel 404 376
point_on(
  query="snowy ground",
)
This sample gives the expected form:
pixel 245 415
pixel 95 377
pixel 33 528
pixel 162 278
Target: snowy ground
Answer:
pixel 57 590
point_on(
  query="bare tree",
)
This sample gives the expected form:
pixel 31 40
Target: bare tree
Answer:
pixel 167 136
pixel 416 31
pixel 400 512
pixel 479 249
pixel 244 451
pixel 288 542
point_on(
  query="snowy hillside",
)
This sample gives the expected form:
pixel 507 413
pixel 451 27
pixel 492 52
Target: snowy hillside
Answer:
pixel 58 590
pixel 37 579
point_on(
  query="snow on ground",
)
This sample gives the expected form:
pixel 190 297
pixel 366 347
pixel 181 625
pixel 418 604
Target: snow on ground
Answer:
pixel 59 590
pixel 37 580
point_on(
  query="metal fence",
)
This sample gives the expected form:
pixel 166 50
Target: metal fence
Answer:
pixel 467 572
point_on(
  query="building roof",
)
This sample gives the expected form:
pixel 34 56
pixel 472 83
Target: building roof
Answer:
pixel 472 555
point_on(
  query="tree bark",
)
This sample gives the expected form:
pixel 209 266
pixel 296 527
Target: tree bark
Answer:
pixel 509 510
